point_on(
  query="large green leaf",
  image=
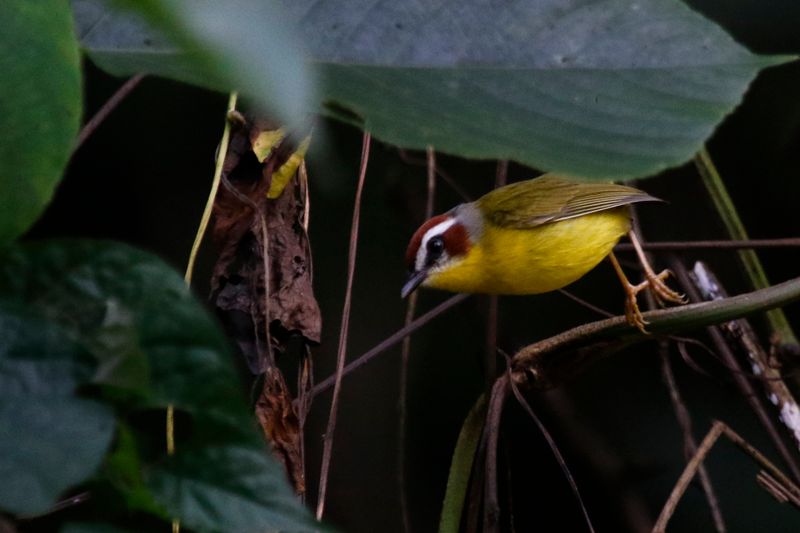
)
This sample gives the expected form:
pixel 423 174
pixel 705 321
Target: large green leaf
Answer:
pixel 50 437
pixel 40 107
pixel 233 45
pixel 596 88
pixel 134 313
pixel 120 304
pixel 240 483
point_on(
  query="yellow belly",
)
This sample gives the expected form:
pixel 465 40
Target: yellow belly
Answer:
pixel 536 260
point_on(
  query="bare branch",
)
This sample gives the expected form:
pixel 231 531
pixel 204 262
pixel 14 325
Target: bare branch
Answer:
pixel 405 353
pixel 690 445
pixel 389 342
pixel 550 361
pixel 681 246
pixel 737 373
pixel 741 332
pixel 784 485
pixel 341 352
pixel 106 109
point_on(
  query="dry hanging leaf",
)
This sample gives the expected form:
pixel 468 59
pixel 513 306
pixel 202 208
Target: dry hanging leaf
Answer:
pixel 281 427
pixel 261 283
pixel 246 220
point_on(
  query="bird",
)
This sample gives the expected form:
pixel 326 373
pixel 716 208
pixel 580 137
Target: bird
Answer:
pixel 532 237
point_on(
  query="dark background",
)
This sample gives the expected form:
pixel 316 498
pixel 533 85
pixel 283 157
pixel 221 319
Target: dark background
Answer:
pixel 143 179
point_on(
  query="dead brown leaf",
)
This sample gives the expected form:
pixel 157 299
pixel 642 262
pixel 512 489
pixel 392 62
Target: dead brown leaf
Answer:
pixel 242 210
pixel 281 427
pixel 261 283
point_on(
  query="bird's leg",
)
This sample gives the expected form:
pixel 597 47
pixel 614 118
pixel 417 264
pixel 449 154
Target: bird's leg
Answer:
pixel 658 288
pixel 632 313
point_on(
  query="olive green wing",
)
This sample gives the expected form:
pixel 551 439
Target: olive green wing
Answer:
pixel 552 198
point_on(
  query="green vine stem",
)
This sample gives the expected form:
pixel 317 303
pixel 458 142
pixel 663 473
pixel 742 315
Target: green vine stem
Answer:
pixel 223 149
pixel 551 361
pixel 782 333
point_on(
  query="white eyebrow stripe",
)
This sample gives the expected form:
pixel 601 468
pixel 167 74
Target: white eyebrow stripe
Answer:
pixel 438 229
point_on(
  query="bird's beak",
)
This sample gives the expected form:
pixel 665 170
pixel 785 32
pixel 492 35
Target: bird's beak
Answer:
pixel 413 282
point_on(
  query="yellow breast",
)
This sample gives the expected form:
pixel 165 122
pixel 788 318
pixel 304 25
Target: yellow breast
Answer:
pixel 535 260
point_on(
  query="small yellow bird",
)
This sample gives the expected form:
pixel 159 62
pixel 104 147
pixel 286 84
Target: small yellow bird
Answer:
pixel 532 237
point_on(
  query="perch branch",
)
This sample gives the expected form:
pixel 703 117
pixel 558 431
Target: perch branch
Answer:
pixel 681 246
pixel 546 362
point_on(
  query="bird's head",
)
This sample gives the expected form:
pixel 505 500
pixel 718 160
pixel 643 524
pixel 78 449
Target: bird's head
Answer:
pixel 439 244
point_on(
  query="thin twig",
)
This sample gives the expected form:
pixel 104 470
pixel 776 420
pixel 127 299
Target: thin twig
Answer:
pixel 449 180
pixel 60 505
pixel 779 325
pixel 717 429
pixel 106 110
pixel 405 354
pixel 744 385
pixel 740 332
pixel 686 477
pixel 341 352
pixel 389 341
pixel 494 415
pixel 681 246
pixel 689 443
pixel 553 448
pixel 681 411
pixel 590 306
pixel 490 370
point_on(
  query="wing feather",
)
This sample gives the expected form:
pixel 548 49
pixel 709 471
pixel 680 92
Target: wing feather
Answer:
pixel 552 198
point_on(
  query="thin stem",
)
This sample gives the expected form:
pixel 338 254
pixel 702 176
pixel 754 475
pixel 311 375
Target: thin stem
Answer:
pixel 340 356
pixel 680 246
pixel 201 230
pixel 447 178
pixel 562 463
pixel 405 353
pixel 686 477
pixel 690 445
pixel 730 217
pixel 718 429
pixel 500 179
pixel 740 332
pixel 106 109
pixel 583 303
pixel 223 150
pixel 491 432
pixel 682 413
pixel 547 362
pixel 388 342
pixel 731 362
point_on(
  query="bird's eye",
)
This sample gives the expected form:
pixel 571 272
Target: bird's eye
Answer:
pixel 435 247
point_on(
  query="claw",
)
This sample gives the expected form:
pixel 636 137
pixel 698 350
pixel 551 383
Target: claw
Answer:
pixel 661 292
pixel 632 312
pixel 654 283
